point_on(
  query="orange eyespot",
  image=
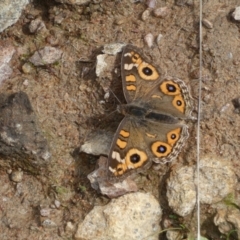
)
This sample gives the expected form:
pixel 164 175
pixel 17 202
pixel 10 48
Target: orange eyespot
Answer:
pixel 147 72
pixel 135 158
pixel 161 149
pixel 178 102
pixel 170 88
pixel 173 136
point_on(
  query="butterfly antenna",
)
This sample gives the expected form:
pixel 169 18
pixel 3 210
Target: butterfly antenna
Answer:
pixel 115 96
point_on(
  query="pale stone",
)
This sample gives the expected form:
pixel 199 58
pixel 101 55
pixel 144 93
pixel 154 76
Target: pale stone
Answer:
pixel 133 216
pixel 10 12
pixel 101 64
pixel 113 48
pixel 45 56
pixel 149 40
pixel 228 219
pixel 236 14
pixel 6 53
pixel 216 180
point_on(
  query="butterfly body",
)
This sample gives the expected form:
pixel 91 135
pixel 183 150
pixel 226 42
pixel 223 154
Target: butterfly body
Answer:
pixel 153 128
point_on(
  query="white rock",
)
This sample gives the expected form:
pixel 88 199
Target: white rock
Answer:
pixel 101 64
pixel 37 25
pixel 97 143
pixel 159 38
pixel 27 67
pixel 145 14
pixel 133 216
pixel 151 3
pixel 236 14
pixel 5 72
pixel 217 180
pixel 6 53
pixel 207 23
pixel 57 203
pixel 10 11
pixel 17 176
pixel 99 181
pixel 161 12
pixel 228 219
pixel 149 40
pixel 26 82
pixel 181 192
pixel 44 212
pixel 113 48
pixel 69 227
pixel 46 55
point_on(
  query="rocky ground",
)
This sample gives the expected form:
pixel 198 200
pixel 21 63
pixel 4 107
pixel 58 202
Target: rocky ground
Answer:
pixel 51 99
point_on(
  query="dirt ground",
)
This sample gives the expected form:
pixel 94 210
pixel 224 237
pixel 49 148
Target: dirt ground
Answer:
pixel 67 100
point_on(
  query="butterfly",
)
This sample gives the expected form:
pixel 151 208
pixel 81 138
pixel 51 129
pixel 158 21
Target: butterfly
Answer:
pixel 153 127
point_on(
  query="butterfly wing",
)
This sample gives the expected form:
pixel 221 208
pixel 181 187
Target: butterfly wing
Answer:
pixel 138 142
pixel 143 83
pixel 138 76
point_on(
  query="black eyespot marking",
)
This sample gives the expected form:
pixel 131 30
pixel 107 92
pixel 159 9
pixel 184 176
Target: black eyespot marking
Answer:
pixel 119 169
pixel 173 136
pixel 161 149
pixel 147 71
pixel 135 57
pixel 171 88
pixel 179 103
pixel 135 158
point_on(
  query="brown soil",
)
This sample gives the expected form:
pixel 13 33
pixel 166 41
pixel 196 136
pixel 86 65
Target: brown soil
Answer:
pixel 66 99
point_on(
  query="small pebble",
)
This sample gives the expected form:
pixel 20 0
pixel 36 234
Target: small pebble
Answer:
pixel 225 107
pixel 45 212
pixel 161 12
pixel 45 56
pixel 101 64
pixel 120 21
pixel 57 203
pixel 69 227
pixel 145 14
pixel 17 176
pixel 113 48
pixel 18 128
pixel 106 95
pixel 36 25
pixel 26 82
pixel 52 206
pixel 207 23
pixel 49 223
pixel 149 40
pixel 102 102
pixel 236 14
pixel 27 68
pixel 159 37
pixel 151 3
